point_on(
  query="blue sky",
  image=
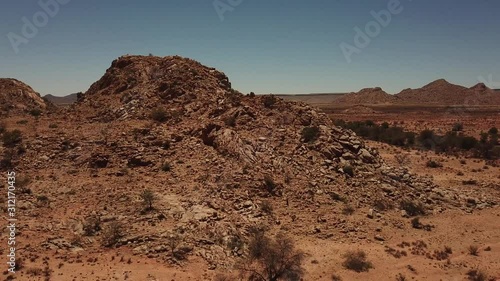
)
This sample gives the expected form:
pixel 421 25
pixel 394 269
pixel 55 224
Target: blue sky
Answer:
pixel 265 46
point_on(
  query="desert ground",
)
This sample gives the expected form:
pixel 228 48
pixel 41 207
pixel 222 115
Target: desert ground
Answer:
pixel 455 228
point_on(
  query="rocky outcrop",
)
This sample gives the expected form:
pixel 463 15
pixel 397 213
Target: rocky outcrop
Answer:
pixel 16 96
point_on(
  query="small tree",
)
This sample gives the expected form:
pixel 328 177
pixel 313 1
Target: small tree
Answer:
pixel 148 197
pixel 272 259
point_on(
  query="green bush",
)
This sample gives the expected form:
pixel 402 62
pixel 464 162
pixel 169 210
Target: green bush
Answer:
pixel 148 197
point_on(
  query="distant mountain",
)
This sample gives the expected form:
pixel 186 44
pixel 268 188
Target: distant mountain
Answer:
pixel 65 100
pixel 367 96
pixel 441 92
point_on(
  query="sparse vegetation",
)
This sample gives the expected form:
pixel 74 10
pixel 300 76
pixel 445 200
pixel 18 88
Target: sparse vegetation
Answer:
pixel 413 208
pixel 477 275
pixel 396 253
pixel 148 197
pixel 453 141
pixel 493 131
pixel 348 170
pixel 442 254
pixel 230 121
pixel 269 184
pixel 337 197
pixel 348 210
pixel 91 225
pixel 112 234
pixel 356 261
pixel 433 164
pixel 384 133
pixel 266 207
pixel 458 127
pixel 269 101
pixel 166 167
pixel 402 159
pixel 401 277
pixel 35 112
pixel 473 250
pixel 11 138
pixel 177 251
pixel 6 161
pixel 336 277
pixel 159 115
pixel 310 134
pixel 272 259
pixel 415 223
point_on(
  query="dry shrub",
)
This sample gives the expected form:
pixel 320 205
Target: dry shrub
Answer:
pixel 356 261
pixel 272 259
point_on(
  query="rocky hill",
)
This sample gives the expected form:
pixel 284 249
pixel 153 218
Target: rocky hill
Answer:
pixel 368 96
pixel 135 85
pixel 219 163
pixel 16 96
